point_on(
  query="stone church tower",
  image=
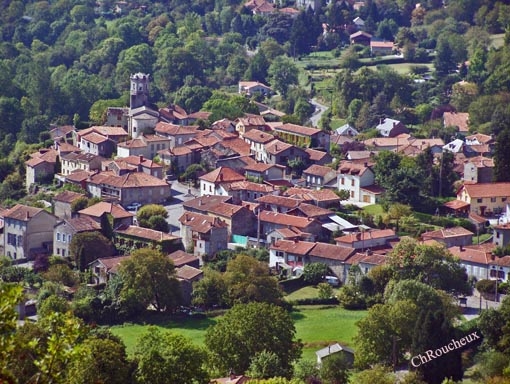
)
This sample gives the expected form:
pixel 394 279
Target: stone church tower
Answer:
pixel 139 91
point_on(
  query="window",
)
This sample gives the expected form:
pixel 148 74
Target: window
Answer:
pixel 63 238
pixel 63 253
pixel 493 199
pixel 210 188
pixel 479 200
pixel 204 187
pixel 503 199
pixel 352 182
pixel 279 253
pixel 68 238
pixel 11 239
pixel 342 181
pixel 20 240
pixel 58 251
pixel 352 194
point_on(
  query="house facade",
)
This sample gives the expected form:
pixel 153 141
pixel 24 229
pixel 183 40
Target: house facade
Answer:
pixel 62 203
pixel 319 176
pixel 301 136
pixel 127 238
pixel 218 181
pixel 354 177
pixel 485 199
pixel 28 232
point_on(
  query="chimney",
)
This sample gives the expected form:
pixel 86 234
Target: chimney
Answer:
pixel 141 158
pixel 365 164
pixel 358 236
pixel 461 248
pixel 199 202
pixel 276 147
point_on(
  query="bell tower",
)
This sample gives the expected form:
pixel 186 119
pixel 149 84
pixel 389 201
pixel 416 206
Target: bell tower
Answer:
pixel 139 90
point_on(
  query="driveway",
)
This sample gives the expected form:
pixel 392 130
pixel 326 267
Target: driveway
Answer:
pixel 180 192
pixel 475 303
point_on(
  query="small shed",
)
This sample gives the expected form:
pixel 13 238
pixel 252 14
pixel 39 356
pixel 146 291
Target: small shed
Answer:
pixel 332 349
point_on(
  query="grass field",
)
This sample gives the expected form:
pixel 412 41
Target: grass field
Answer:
pixel 316 326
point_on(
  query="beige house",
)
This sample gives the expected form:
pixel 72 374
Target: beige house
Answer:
pixel 217 182
pixel 176 134
pixel 485 199
pixel 28 232
pixel 119 214
pixel 257 140
pixel 253 87
pixel 319 176
pixel 479 169
pixel 144 145
pixel 367 239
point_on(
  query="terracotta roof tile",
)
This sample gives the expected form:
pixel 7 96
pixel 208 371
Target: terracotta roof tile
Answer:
pixel 487 189
pixel 201 223
pixel 22 212
pixel 145 233
pixel 180 258
pixel 283 219
pixel 187 272
pixel 368 258
pixel 83 224
pixel 457 119
pixel 222 175
pixel 293 247
pixel 94 138
pixel 331 251
pixel 68 196
pixel 297 129
pixel 367 235
pixel 318 170
pixel 97 210
pixel 275 147
pixel 479 254
pixel 258 136
pixel 250 186
pixel 281 201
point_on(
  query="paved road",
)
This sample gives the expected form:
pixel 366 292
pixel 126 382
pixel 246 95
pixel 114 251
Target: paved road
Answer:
pixel 180 193
pixel 319 110
pixel 474 304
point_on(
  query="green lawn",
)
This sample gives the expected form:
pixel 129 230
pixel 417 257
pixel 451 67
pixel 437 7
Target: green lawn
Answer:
pixel 190 327
pixel 308 292
pixel 316 326
pixel 374 209
pixel 319 326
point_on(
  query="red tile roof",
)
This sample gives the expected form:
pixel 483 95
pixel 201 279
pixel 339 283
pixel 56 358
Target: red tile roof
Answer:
pixel 187 272
pixel 201 223
pixel 367 235
pixel 129 180
pixel 83 224
pixel 312 194
pixel 283 219
pixel 297 129
pixel 293 247
pixel 258 136
pixel 331 251
pixel 173 130
pixel 250 186
pixel 457 119
pixel 222 175
pixel 22 212
pixel 444 233
pixel 275 147
pixel 367 258
pixel 481 190
pixel 68 196
pixel 144 233
pixel 94 138
pixel 281 201
pixel 112 263
pixel 479 254
pixel 97 210
pixel 180 258
pixel 318 170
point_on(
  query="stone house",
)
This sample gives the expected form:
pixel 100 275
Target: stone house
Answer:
pixel 178 158
pixel 187 276
pixel 129 188
pixel 40 168
pixel 66 229
pixel 360 37
pixel 479 169
pixel 248 191
pixel 205 234
pixel 319 176
pixel 28 232
pixel 102 269
pixel 62 203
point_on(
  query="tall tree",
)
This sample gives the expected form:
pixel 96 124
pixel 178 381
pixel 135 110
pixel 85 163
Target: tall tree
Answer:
pixel 86 247
pixel 164 357
pixel 249 329
pixel 502 156
pixel 149 278
pixel 283 74
pixel 249 280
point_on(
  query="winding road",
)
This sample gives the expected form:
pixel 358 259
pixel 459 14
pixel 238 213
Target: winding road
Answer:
pixel 319 110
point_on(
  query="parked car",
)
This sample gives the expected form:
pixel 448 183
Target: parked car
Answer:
pixel 133 206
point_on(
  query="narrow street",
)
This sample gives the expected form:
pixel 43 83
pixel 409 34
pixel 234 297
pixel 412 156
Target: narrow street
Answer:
pixel 180 192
